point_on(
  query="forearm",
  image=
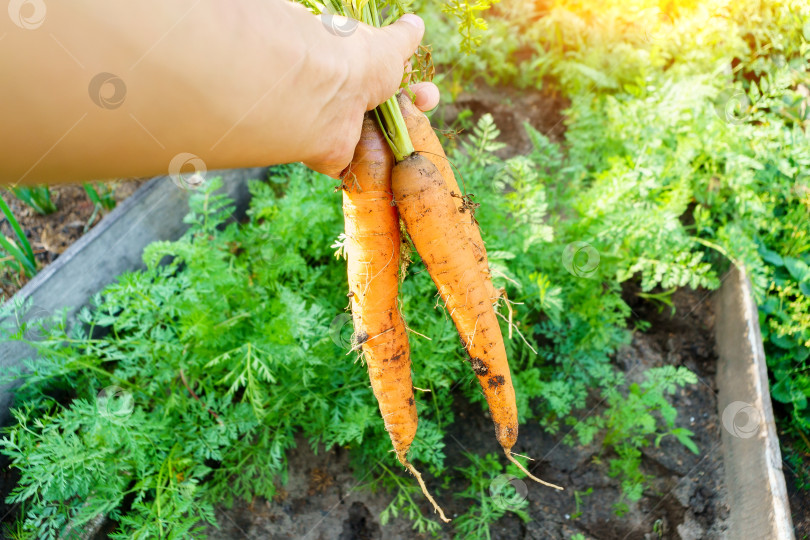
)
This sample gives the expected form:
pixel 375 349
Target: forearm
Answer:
pixel 177 60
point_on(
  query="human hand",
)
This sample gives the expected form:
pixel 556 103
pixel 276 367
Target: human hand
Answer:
pixel 376 72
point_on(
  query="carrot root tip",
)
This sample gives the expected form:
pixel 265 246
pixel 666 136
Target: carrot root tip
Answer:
pixel 422 485
pixel 511 458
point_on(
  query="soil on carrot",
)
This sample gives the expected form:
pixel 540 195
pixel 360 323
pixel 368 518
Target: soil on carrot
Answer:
pixel 51 235
pixel 686 499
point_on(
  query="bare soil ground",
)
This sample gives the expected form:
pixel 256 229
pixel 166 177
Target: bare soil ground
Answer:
pixel 510 109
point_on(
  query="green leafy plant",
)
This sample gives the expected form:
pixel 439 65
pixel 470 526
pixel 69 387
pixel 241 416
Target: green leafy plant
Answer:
pixel 37 197
pixel 493 491
pixel 718 127
pixel 103 198
pixel 404 503
pixel 470 24
pixel 579 497
pixel 161 321
pixel 668 122
pixel 586 315
pixel 785 321
pixel 630 420
pixel 101 195
pixel 20 256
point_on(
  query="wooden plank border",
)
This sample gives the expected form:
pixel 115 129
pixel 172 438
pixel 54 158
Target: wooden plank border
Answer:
pixel 752 459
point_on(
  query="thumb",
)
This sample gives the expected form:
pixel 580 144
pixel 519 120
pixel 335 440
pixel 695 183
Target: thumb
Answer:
pixel 405 35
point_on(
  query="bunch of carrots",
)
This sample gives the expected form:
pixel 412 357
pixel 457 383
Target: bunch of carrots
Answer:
pixel 400 172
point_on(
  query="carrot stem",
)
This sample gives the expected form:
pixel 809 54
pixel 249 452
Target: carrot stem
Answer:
pixel 396 133
pixel 389 116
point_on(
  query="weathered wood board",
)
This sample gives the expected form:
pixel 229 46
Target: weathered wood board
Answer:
pixel 753 461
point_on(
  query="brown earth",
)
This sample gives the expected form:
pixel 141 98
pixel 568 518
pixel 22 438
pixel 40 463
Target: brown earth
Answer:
pixel 510 109
pixel 51 235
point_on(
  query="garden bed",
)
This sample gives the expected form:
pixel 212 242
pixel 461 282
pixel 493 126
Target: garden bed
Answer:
pixel 685 500
pixel 666 143
pixel 686 497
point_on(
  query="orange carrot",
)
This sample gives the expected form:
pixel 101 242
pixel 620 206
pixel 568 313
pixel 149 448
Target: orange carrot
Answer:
pixel 427 208
pixel 372 249
pixel 426 142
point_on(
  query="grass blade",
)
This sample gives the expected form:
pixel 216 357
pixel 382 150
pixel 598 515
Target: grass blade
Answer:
pixel 23 241
pixel 28 265
pixel 38 198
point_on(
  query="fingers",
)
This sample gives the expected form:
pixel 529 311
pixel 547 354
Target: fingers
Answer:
pixel 334 163
pixel 426 95
pixel 316 166
pixel 329 169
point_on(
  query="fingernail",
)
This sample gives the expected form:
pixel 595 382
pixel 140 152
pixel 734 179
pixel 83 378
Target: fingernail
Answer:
pixel 415 20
